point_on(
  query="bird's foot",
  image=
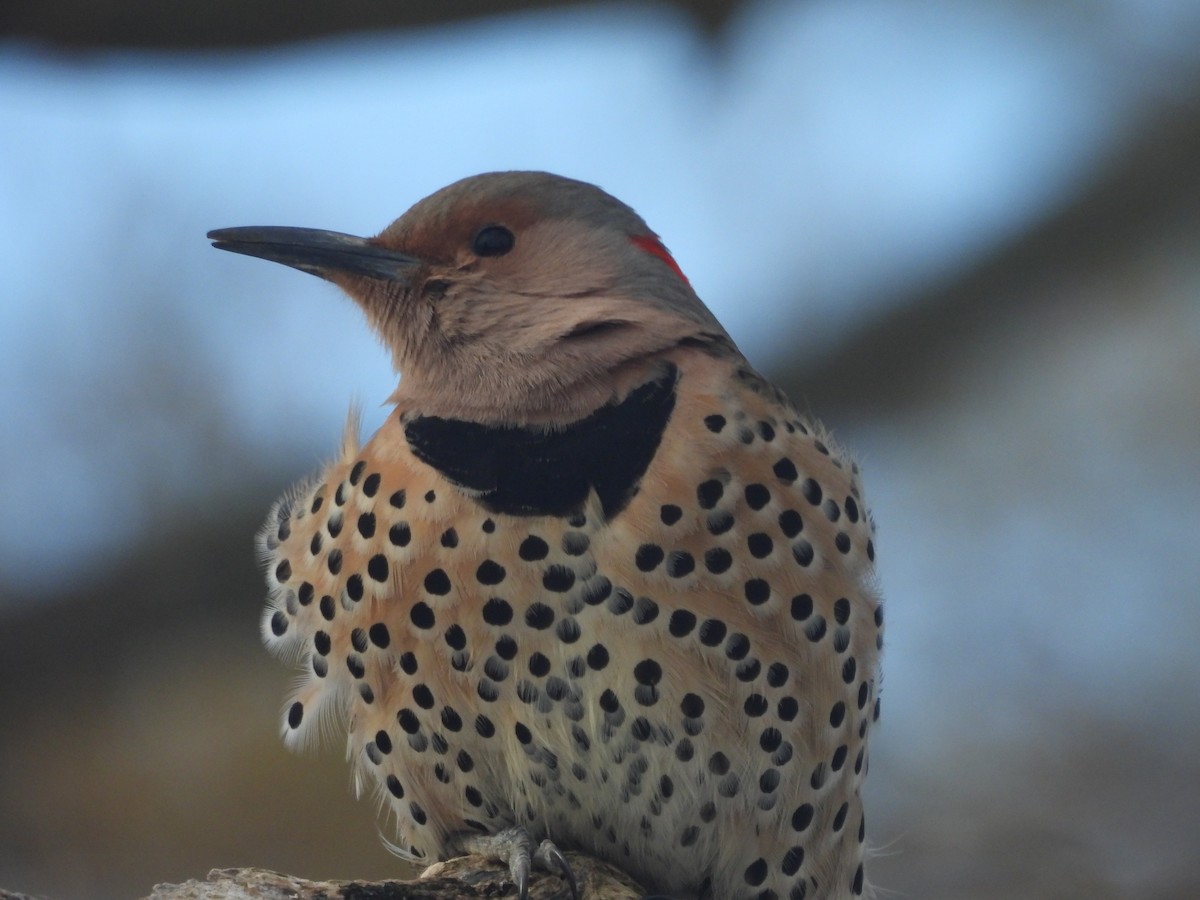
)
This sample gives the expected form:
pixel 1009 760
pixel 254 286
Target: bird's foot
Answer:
pixel 514 847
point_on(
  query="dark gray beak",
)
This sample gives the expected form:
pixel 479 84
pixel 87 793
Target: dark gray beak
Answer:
pixel 322 253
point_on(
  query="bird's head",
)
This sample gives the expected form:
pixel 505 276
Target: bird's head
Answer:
pixel 507 297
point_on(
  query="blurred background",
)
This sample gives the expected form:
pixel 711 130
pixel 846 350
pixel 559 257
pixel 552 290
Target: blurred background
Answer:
pixel 965 235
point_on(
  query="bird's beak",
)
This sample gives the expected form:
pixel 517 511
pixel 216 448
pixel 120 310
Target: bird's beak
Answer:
pixel 322 253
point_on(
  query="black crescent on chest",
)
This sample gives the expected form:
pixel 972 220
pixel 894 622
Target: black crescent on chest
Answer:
pixel 530 471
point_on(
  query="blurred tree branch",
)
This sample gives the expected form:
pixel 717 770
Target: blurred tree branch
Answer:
pixel 456 879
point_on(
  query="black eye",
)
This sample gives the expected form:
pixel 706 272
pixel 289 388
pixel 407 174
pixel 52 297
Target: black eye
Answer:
pixel 492 240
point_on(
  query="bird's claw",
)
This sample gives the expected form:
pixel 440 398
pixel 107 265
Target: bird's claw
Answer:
pixel 514 847
pixel 552 860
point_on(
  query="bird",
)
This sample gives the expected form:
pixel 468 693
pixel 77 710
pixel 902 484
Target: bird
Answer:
pixel 595 584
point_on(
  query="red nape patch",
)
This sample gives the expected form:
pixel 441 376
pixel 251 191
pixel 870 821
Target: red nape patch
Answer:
pixel 654 247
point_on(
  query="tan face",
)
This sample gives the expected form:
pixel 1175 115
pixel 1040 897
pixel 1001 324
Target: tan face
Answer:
pixel 516 296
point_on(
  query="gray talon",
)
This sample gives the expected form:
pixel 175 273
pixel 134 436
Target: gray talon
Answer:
pixel 513 847
pixel 552 859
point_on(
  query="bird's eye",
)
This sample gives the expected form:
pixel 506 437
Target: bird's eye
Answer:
pixel 492 240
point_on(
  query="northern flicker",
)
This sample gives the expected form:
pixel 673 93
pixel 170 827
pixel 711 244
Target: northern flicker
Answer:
pixel 595 584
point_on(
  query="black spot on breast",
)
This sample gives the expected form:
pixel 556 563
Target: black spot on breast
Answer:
pixel 377 568
pixel 802 817
pixel 748 670
pixel 757 591
pixel 495 669
pixel 366 525
pixel 792 861
pixel 490 572
pixel 530 471
pixel 422 616
pixel 533 548
pixel 851 508
pixel 539 616
pixel 718 560
pixel 497 612
pixel 785 470
pixel 648 557
pixel 620 602
pixel 680 563
pixel 837 714
pixel 597 657
pixel 770 739
pixel 719 522
pixel 645 611
pixel 596 591
pixel 575 543
pixel 709 493
pixel 506 648
pixel 647 672
pixel 568 631
pixel 322 642
pixel 787 708
pixel 841 610
pixel 718 763
pixel 487 690
pixel 712 632
pixel 400 534
pixel 755 705
pixel 738 646
pixel 760 545
pixel 682 623
pixel 839 758
pixel 756 872
pixel 757 496
pixel 839 818
pixel 812 491
pixel 437 582
pixel 558 579
pixel 790 523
